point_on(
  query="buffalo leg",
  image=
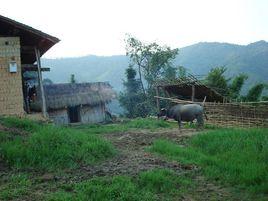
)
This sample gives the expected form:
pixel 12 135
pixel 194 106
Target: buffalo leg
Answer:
pixel 200 122
pixel 179 123
pixel 191 124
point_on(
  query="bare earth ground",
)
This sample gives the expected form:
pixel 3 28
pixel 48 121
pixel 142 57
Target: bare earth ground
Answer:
pixel 131 159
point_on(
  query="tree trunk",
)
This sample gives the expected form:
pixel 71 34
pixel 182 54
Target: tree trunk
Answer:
pixel 142 86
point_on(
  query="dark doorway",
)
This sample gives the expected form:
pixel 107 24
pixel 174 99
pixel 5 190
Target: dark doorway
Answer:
pixel 74 114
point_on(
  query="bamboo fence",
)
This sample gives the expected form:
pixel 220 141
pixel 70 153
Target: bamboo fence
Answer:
pixel 237 114
pixel 234 114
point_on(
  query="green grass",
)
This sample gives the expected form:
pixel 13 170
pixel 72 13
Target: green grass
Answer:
pixel 232 156
pixel 4 136
pixel 152 185
pixel 24 124
pixel 49 147
pixel 163 181
pixel 206 126
pixel 15 187
pixel 138 123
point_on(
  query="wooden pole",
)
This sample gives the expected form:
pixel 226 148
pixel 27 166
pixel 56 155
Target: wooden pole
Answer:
pixel 174 100
pixel 25 94
pixel 193 92
pixel 167 93
pixel 157 99
pixel 38 61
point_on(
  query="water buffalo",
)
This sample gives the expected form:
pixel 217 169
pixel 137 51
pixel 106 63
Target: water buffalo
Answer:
pixel 188 113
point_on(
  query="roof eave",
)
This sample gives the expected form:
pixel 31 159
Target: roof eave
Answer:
pixel 30 29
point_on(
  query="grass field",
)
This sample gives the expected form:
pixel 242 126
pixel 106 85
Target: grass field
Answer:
pixel 151 185
pixel 157 184
pixel 231 156
pixel 126 125
pixel 45 162
pixel 48 147
pixel 15 187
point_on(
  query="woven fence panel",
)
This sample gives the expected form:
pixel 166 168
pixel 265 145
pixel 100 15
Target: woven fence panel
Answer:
pixel 237 114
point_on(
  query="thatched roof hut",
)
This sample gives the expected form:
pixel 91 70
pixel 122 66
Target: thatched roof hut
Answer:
pixel 77 102
pixel 64 95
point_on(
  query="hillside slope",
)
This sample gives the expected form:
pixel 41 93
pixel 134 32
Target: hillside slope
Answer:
pixel 199 58
pixel 88 69
pixel 251 59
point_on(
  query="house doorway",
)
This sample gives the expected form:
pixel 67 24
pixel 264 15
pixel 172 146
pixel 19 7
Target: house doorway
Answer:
pixel 74 114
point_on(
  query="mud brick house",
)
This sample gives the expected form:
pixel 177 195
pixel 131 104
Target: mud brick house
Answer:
pixel 21 47
pixel 77 102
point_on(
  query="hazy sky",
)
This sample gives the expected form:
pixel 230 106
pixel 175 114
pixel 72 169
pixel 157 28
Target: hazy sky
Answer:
pixel 99 26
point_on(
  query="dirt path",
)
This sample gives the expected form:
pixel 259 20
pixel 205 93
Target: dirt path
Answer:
pixel 133 158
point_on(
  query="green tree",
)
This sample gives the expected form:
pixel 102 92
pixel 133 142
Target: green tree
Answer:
pixel 236 86
pixel 170 73
pixel 133 99
pixel 47 81
pixel 173 73
pixel 132 85
pixel 152 61
pixel 182 72
pixel 217 80
pixel 255 92
pixel 72 79
pixel 264 98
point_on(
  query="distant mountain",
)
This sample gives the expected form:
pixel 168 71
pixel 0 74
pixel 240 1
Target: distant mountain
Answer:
pixel 251 59
pixel 88 69
pixel 199 58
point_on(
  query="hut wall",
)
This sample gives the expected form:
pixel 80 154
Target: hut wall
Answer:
pixel 11 96
pixel 59 116
pixel 88 114
pixel 91 114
